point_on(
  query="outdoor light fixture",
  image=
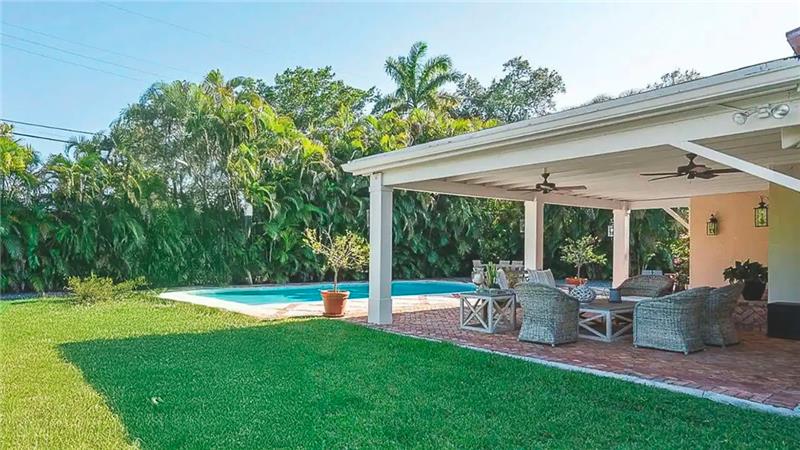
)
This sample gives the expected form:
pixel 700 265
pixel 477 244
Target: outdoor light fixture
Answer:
pixel 761 214
pixel 778 111
pixel 610 230
pixel 712 226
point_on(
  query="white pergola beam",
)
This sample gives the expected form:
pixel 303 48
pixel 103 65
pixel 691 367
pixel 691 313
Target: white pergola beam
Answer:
pixel 379 308
pixel 677 217
pixel 656 204
pixel 534 235
pixel 733 162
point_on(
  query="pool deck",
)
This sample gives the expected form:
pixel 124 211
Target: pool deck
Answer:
pixel 355 308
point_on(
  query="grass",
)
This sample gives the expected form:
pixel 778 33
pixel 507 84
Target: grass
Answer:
pixel 150 374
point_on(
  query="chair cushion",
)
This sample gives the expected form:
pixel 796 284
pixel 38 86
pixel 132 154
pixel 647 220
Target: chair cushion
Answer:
pixel 542 277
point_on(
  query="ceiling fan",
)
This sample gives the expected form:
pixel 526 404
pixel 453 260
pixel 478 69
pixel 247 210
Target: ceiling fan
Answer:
pixel 546 186
pixel 690 171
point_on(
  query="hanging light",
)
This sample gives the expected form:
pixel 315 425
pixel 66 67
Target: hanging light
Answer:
pixel 712 226
pixel 761 214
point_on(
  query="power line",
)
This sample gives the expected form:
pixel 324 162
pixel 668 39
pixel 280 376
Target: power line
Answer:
pixel 68 62
pixel 51 127
pixel 180 27
pixel 81 55
pixel 113 52
pixel 41 137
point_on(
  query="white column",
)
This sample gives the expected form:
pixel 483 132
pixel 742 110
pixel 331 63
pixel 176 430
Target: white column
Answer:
pixel 380 251
pixel 622 245
pixel 534 235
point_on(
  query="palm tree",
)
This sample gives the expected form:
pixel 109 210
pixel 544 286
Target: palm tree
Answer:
pixel 419 82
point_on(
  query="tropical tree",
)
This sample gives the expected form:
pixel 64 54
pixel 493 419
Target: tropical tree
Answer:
pixel 312 97
pixel 419 81
pixel 522 93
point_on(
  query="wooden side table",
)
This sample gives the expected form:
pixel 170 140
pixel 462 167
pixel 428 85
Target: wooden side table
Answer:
pixel 488 311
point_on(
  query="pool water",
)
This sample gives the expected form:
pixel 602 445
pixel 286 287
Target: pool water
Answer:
pixel 311 292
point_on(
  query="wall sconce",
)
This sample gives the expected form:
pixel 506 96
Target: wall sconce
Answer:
pixel 761 214
pixel 712 226
pixel 610 231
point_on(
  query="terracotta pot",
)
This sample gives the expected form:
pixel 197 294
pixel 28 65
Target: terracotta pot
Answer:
pixel 334 303
pixel 574 281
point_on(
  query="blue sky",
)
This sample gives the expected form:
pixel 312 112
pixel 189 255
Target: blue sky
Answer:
pixel 597 48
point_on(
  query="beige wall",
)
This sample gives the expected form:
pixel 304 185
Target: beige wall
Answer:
pixel 738 239
pixel 784 241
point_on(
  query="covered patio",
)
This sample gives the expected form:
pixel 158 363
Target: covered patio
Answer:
pixel 743 124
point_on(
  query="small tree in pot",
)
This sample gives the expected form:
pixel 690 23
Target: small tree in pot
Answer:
pixel 349 251
pixel 754 276
pixel 580 253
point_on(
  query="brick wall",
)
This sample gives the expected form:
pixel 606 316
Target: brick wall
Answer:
pixel 751 316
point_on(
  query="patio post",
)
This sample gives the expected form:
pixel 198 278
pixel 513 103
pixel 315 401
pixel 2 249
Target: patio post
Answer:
pixel 380 251
pixel 534 234
pixel 622 245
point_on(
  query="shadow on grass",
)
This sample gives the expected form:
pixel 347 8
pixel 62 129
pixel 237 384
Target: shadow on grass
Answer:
pixel 322 383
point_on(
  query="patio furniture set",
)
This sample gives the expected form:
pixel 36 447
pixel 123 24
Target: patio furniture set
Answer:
pixel 684 321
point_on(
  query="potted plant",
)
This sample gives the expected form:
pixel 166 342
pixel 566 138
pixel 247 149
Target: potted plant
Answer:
pixel 579 253
pixel 754 276
pixel 349 251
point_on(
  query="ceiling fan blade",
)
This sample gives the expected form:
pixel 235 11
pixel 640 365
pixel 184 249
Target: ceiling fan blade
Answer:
pixel 569 188
pixel 674 175
pixel 524 189
pixel 705 175
pixel 658 174
pixel 718 171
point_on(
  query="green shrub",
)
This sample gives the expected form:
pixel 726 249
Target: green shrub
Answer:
pixel 93 289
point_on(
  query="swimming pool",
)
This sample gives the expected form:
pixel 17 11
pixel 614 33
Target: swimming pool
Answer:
pixel 267 295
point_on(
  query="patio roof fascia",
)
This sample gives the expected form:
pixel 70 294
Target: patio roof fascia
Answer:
pixel 759 79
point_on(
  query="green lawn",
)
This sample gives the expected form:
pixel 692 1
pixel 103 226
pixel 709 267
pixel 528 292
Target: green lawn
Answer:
pixel 163 375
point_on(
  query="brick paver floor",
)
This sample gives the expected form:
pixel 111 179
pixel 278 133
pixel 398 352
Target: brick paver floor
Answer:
pixel 760 369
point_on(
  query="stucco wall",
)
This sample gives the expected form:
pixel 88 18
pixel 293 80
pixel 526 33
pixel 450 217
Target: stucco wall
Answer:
pixel 784 242
pixel 738 239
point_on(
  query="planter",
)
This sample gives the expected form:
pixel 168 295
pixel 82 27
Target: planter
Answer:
pixel 334 303
pixel 753 290
pixel 574 281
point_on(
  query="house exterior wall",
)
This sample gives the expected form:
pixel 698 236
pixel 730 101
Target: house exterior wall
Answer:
pixel 738 239
pixel 784 241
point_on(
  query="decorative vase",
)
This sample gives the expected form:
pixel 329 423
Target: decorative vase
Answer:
pixel 584 293
pixel 334 302
pixel 753 290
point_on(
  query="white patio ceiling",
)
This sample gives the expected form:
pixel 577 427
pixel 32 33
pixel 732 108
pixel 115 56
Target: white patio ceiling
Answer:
pixel 616 176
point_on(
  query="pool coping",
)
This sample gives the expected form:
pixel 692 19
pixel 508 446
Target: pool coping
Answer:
pixel 355 307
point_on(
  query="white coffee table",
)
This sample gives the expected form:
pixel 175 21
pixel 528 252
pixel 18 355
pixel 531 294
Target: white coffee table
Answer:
pixel 488 311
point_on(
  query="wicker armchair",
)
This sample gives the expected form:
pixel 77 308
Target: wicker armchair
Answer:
pixel 549 315
pixel 718 328
pixel 673 323
pixel 647 286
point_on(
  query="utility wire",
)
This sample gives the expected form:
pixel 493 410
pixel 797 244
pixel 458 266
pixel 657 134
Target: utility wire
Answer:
pixel 81 55
pixel 180 27
pixel 69 62
pixel 51 127
pixel 41 137
pixel 113 52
